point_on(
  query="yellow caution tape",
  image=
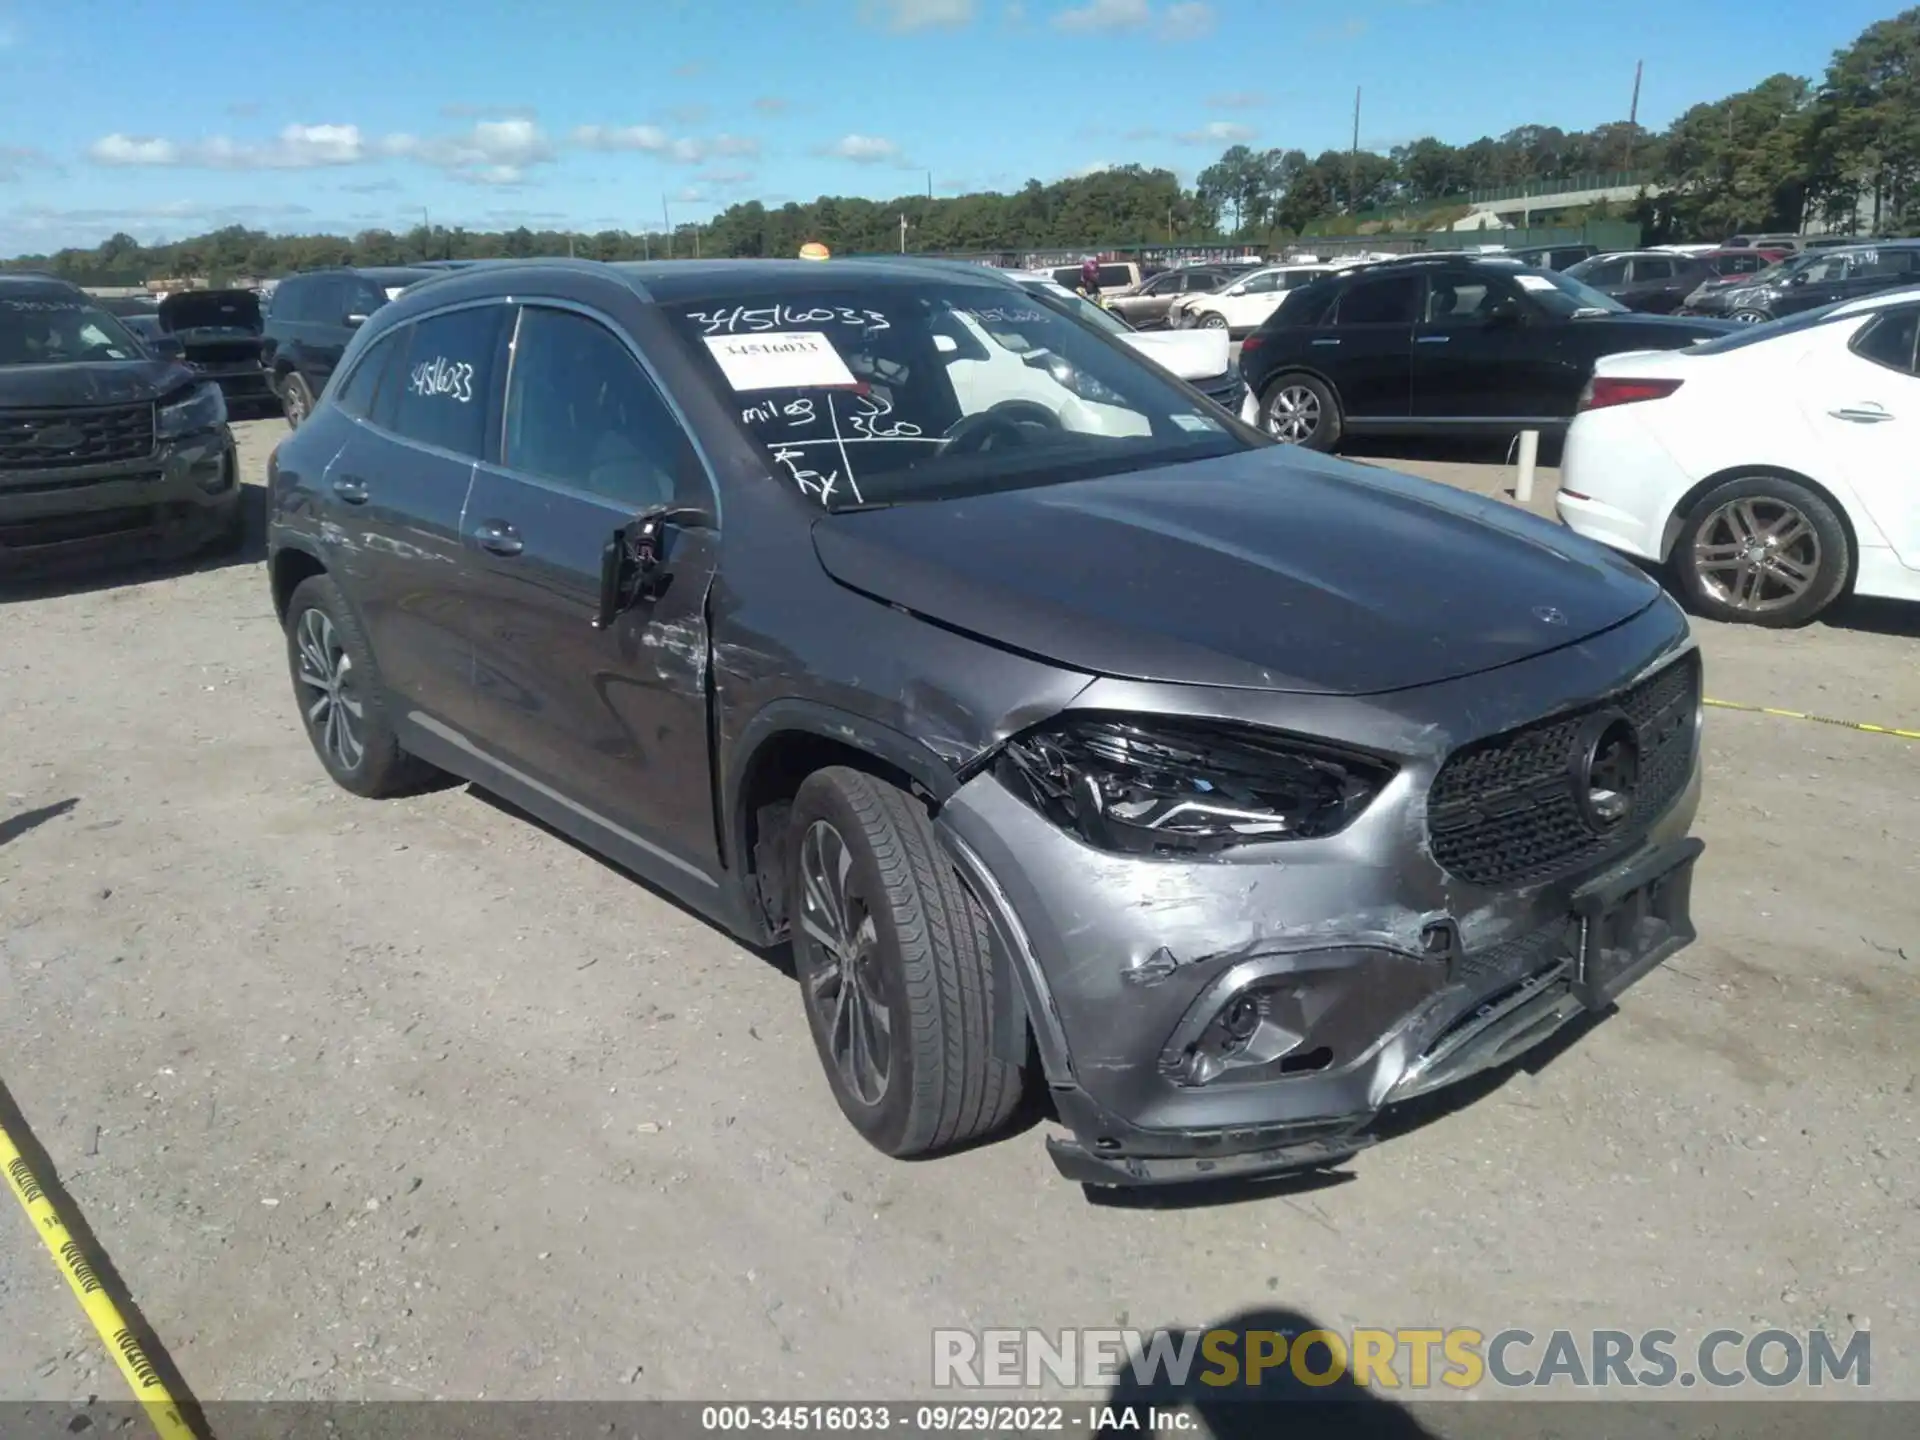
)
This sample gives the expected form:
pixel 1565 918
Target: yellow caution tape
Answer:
pixel 1817 719
pixel 87 1288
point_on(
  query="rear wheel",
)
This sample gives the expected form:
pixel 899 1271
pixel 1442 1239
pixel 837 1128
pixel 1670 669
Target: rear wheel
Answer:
pixel 296 398
pixel 343 705
pixel 1762 550
pixel 1300 410
pixel 895 969
pixel 1751 317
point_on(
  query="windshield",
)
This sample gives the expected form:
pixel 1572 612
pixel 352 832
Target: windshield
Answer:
pixel 882 394
pixel 54 329
pixel 1558 293
pixel 1078 306
pixel 1773 329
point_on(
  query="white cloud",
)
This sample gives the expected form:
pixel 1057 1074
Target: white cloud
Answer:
pixel 1217 132
pixel 652 140
pixel 1093 168
pixel 1103 15
pixel 906 16
pixel 493 152
pixel 864 149
pixel 297 147
pixel 1189 21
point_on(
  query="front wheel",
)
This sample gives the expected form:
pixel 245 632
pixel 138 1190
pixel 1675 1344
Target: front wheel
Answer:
pixel 895 968
pixel 296 398
pixel 1751 317
pixel 1300 410
pixel 1761 550
pixel 1213 320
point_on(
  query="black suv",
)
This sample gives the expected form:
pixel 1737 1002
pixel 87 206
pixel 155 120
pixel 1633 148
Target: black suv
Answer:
pixel 1070 729
pixel 1440 345
pixel 312 317
pixel 106 446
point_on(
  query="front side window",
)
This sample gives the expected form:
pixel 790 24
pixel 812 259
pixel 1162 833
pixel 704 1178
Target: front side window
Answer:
pixel 1467 299
pixel 897 392
pixel 582 413
pixel 1890 339
pixel 1380 302
pixel 1653 267
pixel 54 328
pixel 1262 283
pixel 1603 272
pixel 443 385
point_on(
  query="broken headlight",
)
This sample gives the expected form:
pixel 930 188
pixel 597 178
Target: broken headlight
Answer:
pixel 1178 787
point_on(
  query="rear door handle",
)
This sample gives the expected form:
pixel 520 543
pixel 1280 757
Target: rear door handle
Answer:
pixel 1867 414
pixel 1435 339
pixel 1326 342
pixel 499 538
pixel 350 488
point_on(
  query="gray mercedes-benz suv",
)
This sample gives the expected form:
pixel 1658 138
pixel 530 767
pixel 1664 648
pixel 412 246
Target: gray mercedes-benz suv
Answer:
pixel 1075 733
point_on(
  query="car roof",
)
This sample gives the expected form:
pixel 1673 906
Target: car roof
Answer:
pixel 35 280
pixel 389 273
pixel 1885 299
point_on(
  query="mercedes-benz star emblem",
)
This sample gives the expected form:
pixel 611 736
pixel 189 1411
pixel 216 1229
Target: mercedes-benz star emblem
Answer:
pixel 1549 615
pixel 1606 769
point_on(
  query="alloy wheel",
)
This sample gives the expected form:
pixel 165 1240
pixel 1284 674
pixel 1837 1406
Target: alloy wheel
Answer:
pixel 334 709
pixel 1749 317
pixel 1757 555
pixel 1214 320
pixel 1293 415
pixel 293 400
pixel 843 981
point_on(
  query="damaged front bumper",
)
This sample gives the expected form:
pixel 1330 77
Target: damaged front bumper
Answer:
pixel 1255 1012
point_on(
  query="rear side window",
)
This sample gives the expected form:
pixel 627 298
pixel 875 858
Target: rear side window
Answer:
pixel 1890 339
pixel 443 381
pixel 1652 268
pixel 1392 301
pixel 1115 277
pixel 582 413
pixel 356 394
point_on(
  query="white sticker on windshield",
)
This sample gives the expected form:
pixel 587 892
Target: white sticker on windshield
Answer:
pixel 1199 424
pixel 783 360
pixel 1533 282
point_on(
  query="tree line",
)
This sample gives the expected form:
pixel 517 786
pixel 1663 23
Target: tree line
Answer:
pixel 1842 152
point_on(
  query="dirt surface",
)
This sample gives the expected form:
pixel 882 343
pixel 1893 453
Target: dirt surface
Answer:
pixel 415 1099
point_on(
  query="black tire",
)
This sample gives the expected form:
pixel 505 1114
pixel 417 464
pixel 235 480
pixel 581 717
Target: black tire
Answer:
pixel 296 399
pixel 927 955
pixel 374 765
pixel 1320 431
pixel 1723 575
pixel 1751 317
pixel 1213 320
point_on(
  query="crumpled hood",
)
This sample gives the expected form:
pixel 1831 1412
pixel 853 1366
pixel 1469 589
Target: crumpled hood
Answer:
pixel 1190 354
pixel 237 311
pixel 103 382
pixel 1272 569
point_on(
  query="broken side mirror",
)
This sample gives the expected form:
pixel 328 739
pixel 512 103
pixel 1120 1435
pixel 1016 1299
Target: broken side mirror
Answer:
pixel 633 566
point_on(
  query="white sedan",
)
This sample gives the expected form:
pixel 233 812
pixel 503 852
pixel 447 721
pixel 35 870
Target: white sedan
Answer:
pixel 1242 307
pixel 1773 470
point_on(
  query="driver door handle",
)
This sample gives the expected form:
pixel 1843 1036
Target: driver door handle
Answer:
pixel 350 488
pixel 1865 414
pixel 499 538
pixel 1434 339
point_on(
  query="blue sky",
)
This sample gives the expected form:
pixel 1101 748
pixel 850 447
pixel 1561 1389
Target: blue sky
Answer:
pixel 168 120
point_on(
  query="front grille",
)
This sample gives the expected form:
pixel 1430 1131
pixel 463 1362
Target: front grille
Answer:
pixel 47 439
pixel 1503 810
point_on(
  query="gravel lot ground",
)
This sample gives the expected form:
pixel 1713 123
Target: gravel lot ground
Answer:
pixel 416 1099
